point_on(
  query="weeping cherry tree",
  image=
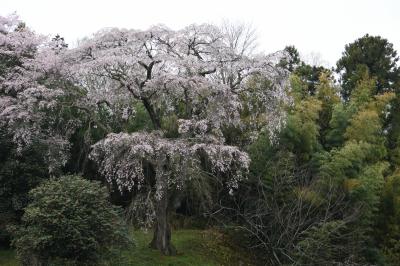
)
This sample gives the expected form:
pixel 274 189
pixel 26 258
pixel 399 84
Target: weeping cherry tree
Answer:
pixel 197 75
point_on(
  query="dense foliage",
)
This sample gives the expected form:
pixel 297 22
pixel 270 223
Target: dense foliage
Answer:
pixel 375 54
pixel 69 220
pixel 302 168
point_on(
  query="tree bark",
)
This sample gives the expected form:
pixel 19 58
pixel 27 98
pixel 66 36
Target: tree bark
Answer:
pixel 162 231
pixel 153 116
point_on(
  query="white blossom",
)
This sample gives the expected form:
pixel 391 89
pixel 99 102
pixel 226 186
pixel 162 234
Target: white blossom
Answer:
pixel 196 74
pixel 28 107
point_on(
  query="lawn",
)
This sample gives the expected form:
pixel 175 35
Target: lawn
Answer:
pixel 195 247
pixel 7 258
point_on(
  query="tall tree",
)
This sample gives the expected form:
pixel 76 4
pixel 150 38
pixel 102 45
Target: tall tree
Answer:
pixel 374 53
pixel 309 74
pixel 33 135
pixel 292 60
pixel 195 75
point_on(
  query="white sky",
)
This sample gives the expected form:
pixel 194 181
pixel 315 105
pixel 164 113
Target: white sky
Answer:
pixel 319 27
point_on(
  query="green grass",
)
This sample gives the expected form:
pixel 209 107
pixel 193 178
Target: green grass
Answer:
pixel 7 258
pixel 195 247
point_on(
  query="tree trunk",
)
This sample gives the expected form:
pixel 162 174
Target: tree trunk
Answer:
pixel 162 231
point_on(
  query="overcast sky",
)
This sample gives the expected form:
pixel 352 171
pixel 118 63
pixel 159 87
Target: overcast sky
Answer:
pixel 319 28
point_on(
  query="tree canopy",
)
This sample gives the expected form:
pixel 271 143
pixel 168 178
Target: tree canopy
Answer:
pixel 299 167
pixel 373 53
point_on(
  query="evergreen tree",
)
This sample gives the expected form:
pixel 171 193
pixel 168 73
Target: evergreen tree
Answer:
pixel 374 53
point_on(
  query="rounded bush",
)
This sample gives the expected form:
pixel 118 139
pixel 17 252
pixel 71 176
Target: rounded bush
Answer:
pixel 69 220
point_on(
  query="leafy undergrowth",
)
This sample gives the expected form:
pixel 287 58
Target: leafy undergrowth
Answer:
pixel 195 247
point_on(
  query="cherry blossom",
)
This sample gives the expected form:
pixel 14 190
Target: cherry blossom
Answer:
pixel 195 74
pixel 29 103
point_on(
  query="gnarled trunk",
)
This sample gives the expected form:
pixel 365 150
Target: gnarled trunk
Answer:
pixel 162 230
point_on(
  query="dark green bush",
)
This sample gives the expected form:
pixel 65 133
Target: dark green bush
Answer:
pixel 19 173
pixel 69 221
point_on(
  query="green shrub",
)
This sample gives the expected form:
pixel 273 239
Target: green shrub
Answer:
pixel 69 221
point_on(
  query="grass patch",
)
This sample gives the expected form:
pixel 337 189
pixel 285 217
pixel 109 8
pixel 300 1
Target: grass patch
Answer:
pixel 195 247
pixel 7 258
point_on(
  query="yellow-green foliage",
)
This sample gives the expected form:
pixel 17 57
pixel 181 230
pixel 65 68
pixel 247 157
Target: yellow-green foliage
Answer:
pixel 346 162
pixel 298 88
pixel 326 90
pixel 342 113
pixel 351 184
pixel 368 123
pixel 302 131
pixel 382 103
pixel 363 91
pixel 364 126
pixel 337 125
pixel 327 93
pixel 359 166
pixel 308 195
pixel 369 190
